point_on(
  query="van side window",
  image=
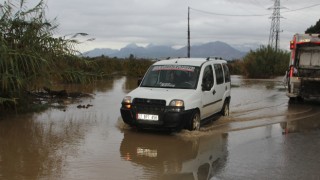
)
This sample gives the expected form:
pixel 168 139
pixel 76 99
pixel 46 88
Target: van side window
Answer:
pixel 226 73
pixel 207 80
pixel 219 73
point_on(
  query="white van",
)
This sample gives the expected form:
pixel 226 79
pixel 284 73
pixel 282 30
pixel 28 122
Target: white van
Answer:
pixel 179 93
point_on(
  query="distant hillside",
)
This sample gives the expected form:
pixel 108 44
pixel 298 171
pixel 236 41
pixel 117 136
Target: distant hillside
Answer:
pixel 212 49
pixel 100 51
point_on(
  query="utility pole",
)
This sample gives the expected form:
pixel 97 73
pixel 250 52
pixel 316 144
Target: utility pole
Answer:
pixel 274 35
pixel 188 32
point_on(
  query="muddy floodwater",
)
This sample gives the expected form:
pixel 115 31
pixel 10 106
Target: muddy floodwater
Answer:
pixel 265 137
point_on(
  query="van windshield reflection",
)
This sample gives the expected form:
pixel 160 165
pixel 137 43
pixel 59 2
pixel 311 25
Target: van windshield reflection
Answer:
pixel 171 76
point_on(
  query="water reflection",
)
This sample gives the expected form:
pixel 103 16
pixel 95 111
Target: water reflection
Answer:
pixel 172 157
pixel 302 118
pixel 104 85
pixel 130 84
pixel 35 146
pixel 33 149
pixel 275 84
pixel 107 84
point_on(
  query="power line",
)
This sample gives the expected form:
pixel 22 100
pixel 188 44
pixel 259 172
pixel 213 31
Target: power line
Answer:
pixel 220 14
pixel 250 15
pixel 301 8
pixel 257 2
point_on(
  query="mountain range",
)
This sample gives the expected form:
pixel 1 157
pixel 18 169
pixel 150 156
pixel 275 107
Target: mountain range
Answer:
pixel 211 49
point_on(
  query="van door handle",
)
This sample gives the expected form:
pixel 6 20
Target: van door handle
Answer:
pixel 214 92
pixel 226 87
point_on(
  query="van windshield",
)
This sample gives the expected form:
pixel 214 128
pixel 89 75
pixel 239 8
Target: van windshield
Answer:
pixel 171 76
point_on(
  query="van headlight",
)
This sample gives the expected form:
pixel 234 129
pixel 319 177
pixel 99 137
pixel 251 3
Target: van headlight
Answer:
pixel 176 105
pixel 127 102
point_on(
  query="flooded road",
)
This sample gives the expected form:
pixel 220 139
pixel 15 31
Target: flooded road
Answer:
pixel 265 137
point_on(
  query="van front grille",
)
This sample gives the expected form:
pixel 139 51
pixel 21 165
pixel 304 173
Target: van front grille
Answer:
pixel 149 105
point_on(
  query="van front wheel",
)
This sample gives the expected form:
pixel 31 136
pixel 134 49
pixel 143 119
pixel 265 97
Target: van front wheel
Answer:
pixel 194 123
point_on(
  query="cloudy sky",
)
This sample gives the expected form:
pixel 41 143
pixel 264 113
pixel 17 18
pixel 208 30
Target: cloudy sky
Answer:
pixel 116 23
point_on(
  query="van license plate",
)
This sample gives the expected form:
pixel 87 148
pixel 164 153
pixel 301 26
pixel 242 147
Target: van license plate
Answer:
pixel 149 117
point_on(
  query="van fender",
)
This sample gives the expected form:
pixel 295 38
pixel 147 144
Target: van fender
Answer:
pixel 192 103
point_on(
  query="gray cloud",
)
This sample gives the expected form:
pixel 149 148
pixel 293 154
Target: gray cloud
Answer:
pixel 115 23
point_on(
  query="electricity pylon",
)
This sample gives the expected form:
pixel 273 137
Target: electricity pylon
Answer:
pixel 274 35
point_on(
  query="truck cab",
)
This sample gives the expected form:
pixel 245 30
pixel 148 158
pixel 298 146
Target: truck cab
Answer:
pixel 179 93
pixel 303 76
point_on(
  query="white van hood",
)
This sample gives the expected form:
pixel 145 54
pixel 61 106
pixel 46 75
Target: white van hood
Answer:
pixel 161 93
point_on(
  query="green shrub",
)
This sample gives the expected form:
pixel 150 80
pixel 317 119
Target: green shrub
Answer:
pixel 265 62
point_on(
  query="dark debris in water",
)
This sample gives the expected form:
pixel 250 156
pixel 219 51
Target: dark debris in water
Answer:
pixel 84 106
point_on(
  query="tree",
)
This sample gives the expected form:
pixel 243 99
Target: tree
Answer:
pixel 131 57
pixel 314 29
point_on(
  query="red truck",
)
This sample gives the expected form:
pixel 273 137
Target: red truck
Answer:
pixel 303 76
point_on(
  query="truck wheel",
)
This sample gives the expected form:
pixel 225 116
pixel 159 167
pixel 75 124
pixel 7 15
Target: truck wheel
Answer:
pixel 295 100
pixel 194 124
pixel 225 108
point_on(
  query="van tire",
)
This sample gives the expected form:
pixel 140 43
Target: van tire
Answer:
pixel 225 111
pixel 194 123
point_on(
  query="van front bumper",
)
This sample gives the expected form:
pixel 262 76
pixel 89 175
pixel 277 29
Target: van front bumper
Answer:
pixel 167 119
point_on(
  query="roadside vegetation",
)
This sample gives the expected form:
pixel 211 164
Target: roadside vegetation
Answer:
pixel 265 62
pixel 131 66
pixel 31 57
pixel 314 28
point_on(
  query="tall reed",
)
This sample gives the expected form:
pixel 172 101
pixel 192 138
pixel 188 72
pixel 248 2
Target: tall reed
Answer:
pixel 30 55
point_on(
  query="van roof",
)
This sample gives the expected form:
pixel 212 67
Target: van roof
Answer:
pixel 188 61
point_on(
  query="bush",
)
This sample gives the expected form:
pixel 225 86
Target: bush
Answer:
pixel 235 67
pixel 265 62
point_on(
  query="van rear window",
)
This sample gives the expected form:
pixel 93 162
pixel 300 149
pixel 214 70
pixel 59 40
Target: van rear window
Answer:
pixel 219 73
